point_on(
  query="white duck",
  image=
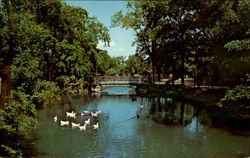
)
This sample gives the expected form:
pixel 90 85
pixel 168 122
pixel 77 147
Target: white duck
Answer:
pixel 71 114
pixel 87 122
pixel 84 113
pixel 94 114
pixel 68 114
pixel 75 124
pixel 140 106
pixel 55 118
pixel 82 128
pixel 98 112
pixel 64 123
pixel 96 126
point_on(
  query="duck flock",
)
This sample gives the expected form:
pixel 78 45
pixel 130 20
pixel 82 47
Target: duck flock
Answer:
pixel 83 125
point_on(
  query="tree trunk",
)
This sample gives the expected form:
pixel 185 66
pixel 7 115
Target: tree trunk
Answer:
pixel 182 72
pixel 158 74
pixel 153 67
pixel 153 49
pixel 173 79
pixel 50 73
pixel 5 84
pixel 11 41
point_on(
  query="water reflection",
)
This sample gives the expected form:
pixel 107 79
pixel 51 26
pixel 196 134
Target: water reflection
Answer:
pixel 125 90
pixel 180 113
pixel 165 128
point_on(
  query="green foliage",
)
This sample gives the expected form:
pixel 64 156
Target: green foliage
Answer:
pixel 44 43
pixel 11 152
pixel 167 37
pixel 135 64
pixel 25 70
pixel 45 93
pixel 201 35
pixel 18 108
pixel 49 43
pixel 116 66
pixel 72 85
pixel 17 120
pixel 238 93
pixel 238 45
pixel 231 36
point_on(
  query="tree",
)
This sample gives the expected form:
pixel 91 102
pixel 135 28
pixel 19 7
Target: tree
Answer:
pixel 136 64
pixel 116 66
pixel 168 34
pixel 229 36
pixel 41 43
pixel 141 18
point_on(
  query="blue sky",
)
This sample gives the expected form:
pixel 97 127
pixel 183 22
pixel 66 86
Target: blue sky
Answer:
pixel 121 39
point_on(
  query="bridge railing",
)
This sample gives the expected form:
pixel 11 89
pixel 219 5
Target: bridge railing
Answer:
pixel 120 80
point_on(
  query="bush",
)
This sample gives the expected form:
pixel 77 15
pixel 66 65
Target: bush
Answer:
pixel 16 121
pixel 45 92
pixel 238 93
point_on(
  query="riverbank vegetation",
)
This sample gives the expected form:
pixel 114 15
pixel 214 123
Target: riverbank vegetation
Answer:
pixel 42 44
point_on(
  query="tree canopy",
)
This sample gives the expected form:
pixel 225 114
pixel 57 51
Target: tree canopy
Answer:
pixel 208 40
pixel 43 43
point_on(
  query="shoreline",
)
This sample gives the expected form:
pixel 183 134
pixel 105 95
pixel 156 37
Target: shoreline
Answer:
pixel 237 115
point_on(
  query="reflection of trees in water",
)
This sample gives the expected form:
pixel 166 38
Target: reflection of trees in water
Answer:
pixel 169 112
pixel 74 102
pixel 225 119
pixel 165 110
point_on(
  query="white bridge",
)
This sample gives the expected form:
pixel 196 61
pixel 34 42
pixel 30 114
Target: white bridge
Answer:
pixel 120 80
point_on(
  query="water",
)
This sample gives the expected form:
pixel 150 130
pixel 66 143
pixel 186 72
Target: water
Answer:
pixel 161 129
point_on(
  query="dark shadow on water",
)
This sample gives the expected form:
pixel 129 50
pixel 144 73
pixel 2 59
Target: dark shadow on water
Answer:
pixel 179 113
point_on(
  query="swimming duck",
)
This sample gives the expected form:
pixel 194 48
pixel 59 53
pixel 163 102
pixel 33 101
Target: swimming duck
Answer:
pixel 94 114
pixel 140 106
pixel 96 126
pixel 82 128
pixel 64 123
pixel 55 118
pixel 71 114
pixel 75 124
pixel 87 121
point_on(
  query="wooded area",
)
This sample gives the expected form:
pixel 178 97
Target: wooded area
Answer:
pixel 46 42
pixel 208 40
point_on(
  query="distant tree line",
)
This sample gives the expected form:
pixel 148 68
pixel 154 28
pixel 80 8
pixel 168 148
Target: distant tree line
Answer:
pixel 132 65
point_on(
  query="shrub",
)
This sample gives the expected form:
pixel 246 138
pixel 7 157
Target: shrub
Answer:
pixel 16 121
pixel 238 93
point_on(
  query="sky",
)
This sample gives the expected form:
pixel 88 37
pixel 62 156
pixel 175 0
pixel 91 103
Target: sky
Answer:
pixel 121 38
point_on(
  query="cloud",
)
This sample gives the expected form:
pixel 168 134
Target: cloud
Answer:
pixel 112 43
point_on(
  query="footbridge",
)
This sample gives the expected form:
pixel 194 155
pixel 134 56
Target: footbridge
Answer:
pixel 120 80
